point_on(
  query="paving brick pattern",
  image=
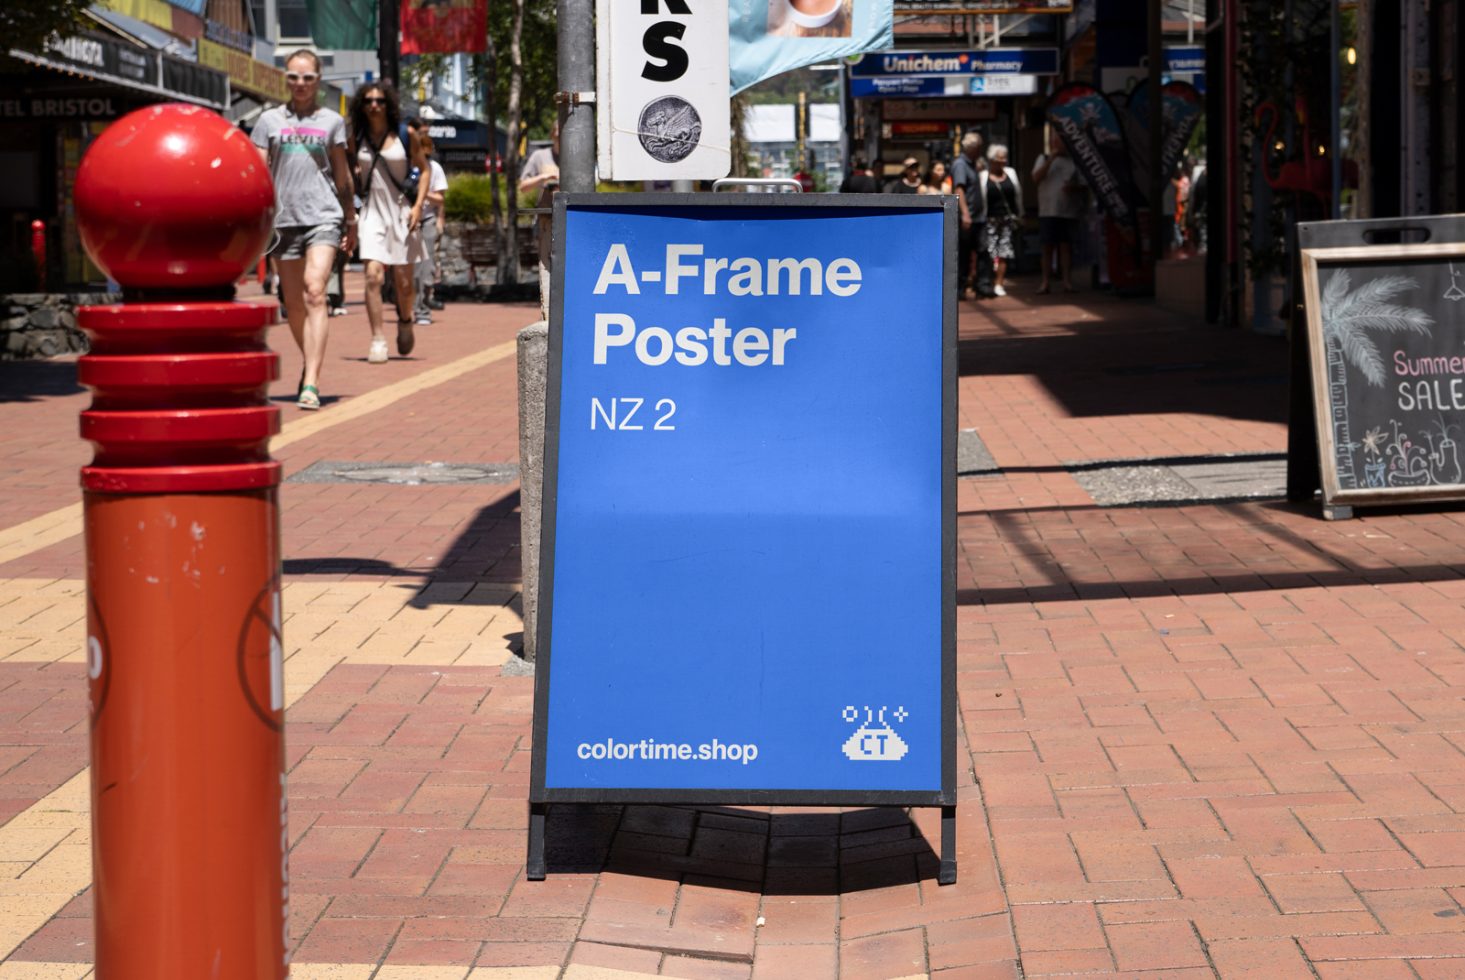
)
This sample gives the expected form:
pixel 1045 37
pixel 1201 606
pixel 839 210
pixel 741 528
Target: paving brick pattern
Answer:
pixel 1210 740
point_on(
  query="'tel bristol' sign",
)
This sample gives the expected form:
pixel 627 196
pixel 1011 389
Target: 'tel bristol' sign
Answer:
pixel 749 539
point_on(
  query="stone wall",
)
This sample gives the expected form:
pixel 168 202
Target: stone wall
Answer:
pixel 450 259
pixel 44 324
pixel 458 275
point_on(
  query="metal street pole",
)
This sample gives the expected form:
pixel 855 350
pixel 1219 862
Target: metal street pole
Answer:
pixel 1335 110
pixel 1218 130
pixel 577 78
pixel 388 49
pixel 1157 133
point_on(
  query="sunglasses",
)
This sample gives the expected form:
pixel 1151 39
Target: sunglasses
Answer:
pixel 374 100
pixel 295 76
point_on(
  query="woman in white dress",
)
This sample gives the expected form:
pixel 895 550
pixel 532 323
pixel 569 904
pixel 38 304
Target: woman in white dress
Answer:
pixel 392 210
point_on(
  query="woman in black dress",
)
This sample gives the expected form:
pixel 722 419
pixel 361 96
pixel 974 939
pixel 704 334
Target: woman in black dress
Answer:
pixel 1004 213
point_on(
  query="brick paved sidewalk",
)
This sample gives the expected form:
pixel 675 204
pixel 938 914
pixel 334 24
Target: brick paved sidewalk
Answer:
pixel 1210 739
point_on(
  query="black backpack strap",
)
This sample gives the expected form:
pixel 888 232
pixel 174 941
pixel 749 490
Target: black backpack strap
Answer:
pixel 376 159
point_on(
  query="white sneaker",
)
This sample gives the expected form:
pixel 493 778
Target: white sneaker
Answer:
pixel 999 290
pixel 377 354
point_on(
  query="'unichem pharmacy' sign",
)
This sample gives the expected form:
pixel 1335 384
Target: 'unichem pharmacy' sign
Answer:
pixel 992 61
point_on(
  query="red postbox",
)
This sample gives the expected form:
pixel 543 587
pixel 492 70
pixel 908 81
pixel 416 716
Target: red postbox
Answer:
pixel 183 559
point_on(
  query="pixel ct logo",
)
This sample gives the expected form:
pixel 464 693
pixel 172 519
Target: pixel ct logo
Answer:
pixel 875 740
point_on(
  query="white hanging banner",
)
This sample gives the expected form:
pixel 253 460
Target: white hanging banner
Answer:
pixel 662 107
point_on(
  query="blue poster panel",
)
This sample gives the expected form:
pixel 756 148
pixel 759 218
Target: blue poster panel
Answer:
pixel 747 589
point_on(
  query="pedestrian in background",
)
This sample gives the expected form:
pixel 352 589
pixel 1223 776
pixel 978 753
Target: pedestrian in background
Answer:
pixel 540 177
pixel 304 145
pixel 1060 199
pixel 1003 195
pixel 860 180
pixel 966 178
pixel 937 180
pixel 909 181
pixel 391 217
pixel 425 272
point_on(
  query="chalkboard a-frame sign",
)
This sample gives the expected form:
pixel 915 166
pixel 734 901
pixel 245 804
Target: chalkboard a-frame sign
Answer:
pixel 747 590
pixel 1386 335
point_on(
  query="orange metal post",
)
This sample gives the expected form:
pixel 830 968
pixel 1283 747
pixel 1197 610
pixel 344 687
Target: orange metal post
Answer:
pixel 189 834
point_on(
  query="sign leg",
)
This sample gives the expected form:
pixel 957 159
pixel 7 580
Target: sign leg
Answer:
pixel 534 866
pixel 947 874
pixel 1303 480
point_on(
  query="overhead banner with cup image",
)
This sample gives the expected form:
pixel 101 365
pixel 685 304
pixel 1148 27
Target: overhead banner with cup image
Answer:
pixel 769 37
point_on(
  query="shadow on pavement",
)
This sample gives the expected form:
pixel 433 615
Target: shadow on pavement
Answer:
pixel 487 550
pixel 1103 356
pixel 1203 549
pixel 29 381
pixel 814 853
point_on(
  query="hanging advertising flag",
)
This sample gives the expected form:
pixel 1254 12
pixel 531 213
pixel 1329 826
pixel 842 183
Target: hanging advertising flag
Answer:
pixel 444 26
pixel 1090 127
pixel 769 37
pixel 343 25
pixel 1182 110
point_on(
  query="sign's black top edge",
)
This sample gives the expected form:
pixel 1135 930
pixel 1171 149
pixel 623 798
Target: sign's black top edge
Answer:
pixel 907 202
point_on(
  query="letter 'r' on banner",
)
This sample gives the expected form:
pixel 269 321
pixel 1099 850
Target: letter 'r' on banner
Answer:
pixel 444 26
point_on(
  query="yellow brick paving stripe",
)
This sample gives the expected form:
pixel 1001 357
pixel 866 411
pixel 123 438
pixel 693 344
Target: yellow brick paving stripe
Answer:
pixel 65 522
pixel 45 850
pixel 459 624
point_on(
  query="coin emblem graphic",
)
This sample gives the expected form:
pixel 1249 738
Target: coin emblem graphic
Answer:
pixel 670 128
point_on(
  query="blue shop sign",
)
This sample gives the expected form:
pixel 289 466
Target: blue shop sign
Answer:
pixel 749 539
pixel 990 61
pixel 1185 60
pixel 860 88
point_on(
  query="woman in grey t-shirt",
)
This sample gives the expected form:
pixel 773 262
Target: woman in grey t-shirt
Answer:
pixel 305 146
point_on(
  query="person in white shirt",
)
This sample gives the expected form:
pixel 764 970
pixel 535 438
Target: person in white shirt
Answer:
pixel 424 273
pixel 1060 199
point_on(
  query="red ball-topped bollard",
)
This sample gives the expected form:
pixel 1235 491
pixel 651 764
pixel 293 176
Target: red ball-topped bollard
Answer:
pixel 182 525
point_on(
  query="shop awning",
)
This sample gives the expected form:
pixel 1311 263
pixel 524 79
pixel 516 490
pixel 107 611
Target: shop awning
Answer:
pixel 92 55
pixel 461 143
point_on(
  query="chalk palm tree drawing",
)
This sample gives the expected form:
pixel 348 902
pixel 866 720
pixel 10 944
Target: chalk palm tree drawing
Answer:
pixel 1349 316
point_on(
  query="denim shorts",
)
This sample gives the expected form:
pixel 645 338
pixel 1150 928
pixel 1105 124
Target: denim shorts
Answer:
pixel 296 239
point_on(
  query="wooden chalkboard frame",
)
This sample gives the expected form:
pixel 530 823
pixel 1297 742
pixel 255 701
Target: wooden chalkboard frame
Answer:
pixel 1312 261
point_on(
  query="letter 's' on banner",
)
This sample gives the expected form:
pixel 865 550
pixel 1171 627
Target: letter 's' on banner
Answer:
pixel 770 37
pixel 444 26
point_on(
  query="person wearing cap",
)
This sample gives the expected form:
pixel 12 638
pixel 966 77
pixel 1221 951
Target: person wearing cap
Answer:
pixel 909 181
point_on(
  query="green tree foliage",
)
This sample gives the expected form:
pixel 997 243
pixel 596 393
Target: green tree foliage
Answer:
pixel 28 24
pixel 469 197
pixel 540 63
pixel 538 44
